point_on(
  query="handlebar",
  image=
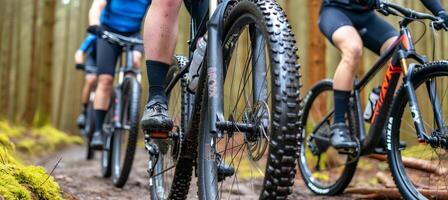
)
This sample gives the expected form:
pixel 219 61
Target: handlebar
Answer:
pixel 122 40
pixel 391 8
pixel 115 38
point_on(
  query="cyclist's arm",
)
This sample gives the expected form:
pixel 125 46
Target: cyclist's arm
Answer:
pixel 435 6
pixel 95 11
pixel 88 43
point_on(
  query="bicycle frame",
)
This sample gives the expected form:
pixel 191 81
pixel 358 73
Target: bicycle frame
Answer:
pixel 215 66
pixel 395 58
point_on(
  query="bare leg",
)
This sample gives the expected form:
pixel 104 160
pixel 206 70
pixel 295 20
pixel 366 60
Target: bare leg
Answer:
pixel 88 85
pixel 103 92
pixel 160 42
pixel 161 29
pixel 348 41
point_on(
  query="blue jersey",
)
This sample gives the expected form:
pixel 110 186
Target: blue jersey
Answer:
pixel 89 44
pixel 125 15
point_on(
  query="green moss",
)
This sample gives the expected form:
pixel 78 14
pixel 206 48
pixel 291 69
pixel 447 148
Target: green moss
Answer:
pixel 10 188
pixel 40 183
pixel 28 146
pixel 51 137
pixel 18 181
pixel 10 130
pixel 6 143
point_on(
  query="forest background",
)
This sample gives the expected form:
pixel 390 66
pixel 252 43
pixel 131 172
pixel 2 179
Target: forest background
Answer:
pixel 39 84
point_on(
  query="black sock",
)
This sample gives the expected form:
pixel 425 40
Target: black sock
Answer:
pixel 341 99
pixel 84 108
pixel 156 78
pixel 99 119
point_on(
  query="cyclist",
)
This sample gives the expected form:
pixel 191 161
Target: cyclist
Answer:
pixel 86 54
pixel 349 25
pixel 121 17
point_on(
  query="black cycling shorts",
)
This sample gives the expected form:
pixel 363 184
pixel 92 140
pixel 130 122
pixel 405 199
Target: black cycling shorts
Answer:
pixel 108 53
pixel 90 64
pixel 374 30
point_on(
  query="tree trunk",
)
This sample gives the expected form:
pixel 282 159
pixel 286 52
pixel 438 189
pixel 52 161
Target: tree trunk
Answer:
pixel 31 103
pixel 316 48
pixel 66 37
pixel 46 64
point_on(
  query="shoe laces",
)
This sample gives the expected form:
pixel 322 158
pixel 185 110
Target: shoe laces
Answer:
pixel 157 107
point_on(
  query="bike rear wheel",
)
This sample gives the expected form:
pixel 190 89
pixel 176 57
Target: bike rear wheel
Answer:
pixel 420 169
pixel 125 139
pixel 323 169
pixel 171 174
pixel 261 88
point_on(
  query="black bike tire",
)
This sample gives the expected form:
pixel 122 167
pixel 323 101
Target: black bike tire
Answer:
pixel 283 148
pixel 90 127
pixel 422 73
pixel 131 89
pixel 106 155
pixel 184 166
pixel 349 170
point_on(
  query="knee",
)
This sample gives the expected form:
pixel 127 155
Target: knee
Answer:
pixel 137 59
pixel 352 53
pixel 105 83
pixel 90 80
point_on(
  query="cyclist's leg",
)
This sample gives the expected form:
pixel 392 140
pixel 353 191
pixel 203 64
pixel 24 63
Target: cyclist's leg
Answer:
pixel 160 41
pixel 90 80
pixel 107 55
pixel 138 52
pixel 137 58
pixel 338 28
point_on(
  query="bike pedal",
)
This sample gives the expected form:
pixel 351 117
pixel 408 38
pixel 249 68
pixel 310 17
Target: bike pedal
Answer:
pixel 159 135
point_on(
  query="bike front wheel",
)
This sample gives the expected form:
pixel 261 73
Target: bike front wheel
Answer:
pixel 125 138
pixel 261 90
pixel 420 168
pixel 89 129
pixel 106 153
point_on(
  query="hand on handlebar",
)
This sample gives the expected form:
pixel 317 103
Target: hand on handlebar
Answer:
pixel 80 66
pixel 95 29
pixel 443 24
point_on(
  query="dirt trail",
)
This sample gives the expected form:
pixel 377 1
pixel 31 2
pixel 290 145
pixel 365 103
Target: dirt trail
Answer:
pixel 82 179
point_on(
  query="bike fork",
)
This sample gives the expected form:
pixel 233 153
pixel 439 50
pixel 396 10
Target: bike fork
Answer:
pixel 413 106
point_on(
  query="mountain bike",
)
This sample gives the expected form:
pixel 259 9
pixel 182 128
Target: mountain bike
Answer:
pixel 411 118
pixel 120 129
pixel 238 129
pixel 89 128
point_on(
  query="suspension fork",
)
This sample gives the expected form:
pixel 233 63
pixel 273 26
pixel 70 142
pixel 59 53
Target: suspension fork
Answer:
pixel 215 69
pixel 413 103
